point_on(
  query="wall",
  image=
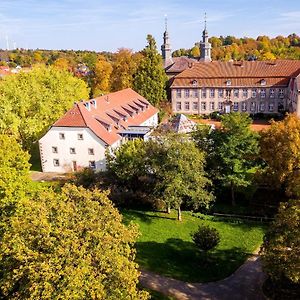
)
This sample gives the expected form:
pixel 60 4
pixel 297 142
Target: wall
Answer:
pixel 82 157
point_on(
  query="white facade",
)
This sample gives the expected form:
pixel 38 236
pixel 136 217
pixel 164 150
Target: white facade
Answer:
pixel 66 149
pixel 152 122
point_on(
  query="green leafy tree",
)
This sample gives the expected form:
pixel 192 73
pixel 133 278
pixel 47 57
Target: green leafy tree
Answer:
pixel 14 173
pixel 281 248
pixel 71 245
pixel 234 152
pixel 31 102
pixel 150 78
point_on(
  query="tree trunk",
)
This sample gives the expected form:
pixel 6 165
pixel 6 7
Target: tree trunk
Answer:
pixel 168 209
pixel 232 194
pixel 179 214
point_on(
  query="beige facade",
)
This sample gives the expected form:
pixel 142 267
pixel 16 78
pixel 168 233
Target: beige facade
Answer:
pixel 240 99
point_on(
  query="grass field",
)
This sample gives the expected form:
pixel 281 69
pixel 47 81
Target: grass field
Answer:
pixel 166 247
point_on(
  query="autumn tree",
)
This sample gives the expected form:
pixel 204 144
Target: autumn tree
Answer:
pixel 195 51
pixel 124 64
pixel 62 64
pixel 31 102
pixel 150 78
pixel 71 245
pixel 281 248
pixel 103 70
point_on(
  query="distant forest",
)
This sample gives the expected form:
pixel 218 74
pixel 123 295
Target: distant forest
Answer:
pixel 262 48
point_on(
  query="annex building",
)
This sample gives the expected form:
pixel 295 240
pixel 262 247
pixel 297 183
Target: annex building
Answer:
pixel 80 138
pixel 202 86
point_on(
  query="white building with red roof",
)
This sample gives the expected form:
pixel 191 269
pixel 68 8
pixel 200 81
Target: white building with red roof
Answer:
pixel 80 138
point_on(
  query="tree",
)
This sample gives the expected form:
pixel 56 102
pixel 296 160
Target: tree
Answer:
pixel 103 70
pixel 178 166
pixel 14 172
pixel 70 245
pixel 124 66
pixel 234 152
pixel 206 238
pixel 195 51
pixel 280 150
pixel 281 248
pixel 31 102
pixel 62 64
pixel 150 78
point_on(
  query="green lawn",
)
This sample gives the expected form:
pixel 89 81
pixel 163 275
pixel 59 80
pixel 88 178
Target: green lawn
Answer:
pixel 165 245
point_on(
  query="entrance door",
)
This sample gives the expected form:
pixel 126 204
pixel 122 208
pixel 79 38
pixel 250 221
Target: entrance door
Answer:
pixel 227 108
pixel 74 166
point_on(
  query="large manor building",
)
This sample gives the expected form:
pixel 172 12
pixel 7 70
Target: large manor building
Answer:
pixel 203 86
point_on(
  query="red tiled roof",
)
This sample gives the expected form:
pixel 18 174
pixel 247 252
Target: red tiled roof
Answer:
pixel 104 118
pixel 178 64
pixel 246 73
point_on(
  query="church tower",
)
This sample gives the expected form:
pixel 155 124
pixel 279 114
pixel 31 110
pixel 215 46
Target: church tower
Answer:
pixel 205 46
pixel 166 47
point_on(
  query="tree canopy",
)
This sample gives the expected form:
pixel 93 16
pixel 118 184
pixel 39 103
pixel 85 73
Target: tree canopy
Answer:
pixel 281 247
pixel 150 78
pixel 30 102
pixel 68 245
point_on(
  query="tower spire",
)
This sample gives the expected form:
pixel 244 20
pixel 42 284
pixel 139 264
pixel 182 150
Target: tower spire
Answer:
pixel 205 21
pixel 166 47
pixel 166 23
pixel 205 46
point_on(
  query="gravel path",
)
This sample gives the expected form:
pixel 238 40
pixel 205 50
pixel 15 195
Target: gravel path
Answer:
pixel 244 284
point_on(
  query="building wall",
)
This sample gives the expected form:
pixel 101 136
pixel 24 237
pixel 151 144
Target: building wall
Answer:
pixel 152 121
pixel 65 158
pixel 244 99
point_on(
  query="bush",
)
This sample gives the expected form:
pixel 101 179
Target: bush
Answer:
pixel 206 238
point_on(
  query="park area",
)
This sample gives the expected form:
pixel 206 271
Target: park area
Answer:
pixel 166 247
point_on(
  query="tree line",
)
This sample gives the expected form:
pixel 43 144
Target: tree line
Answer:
pixel 246 48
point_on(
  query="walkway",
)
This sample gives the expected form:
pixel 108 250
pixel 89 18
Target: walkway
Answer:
pixel 244 284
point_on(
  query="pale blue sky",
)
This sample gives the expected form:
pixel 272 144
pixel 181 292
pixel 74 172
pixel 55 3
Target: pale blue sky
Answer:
pixel 112 24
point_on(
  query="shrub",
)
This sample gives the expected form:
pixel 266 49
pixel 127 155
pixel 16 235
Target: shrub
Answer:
pixel 206 238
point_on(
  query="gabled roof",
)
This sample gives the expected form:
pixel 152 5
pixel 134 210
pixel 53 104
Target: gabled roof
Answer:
pixel 244 73
pixel 103 115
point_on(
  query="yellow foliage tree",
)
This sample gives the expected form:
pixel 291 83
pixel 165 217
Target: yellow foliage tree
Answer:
pixel 102 81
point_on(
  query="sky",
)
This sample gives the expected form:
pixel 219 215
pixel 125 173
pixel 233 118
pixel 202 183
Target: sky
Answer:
pixel 106 25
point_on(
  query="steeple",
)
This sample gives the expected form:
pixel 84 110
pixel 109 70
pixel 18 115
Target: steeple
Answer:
pixel 205 46
pixel 166 47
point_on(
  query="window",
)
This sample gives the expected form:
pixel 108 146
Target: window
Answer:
pixel 212 93
pixel 253 106
pixel 56 162
pixel 187 105
pixel 272 93
pixel 262 93
pixel 212 105
pixel 72 151
pixel 245 93
pixel 80 136
pixel 195 105
pixel 271 106
pixel 281 93
pixel 253 93
pixel 54 150
pixel 92 164
pixel 203 105
pixel 235 106
pixel 262 106
pixel 91 151
pixel 244 106
pixel 178 105
pixel 186 93
pixel 263 82
pixel 221 93
pixel 220 105
pixel 228 82
pixel 236 93
pixel 195 82
pixel 178 93
pixel 203 93
pixel 195 93
pixel 61 136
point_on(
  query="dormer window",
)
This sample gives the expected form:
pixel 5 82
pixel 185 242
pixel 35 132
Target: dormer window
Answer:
pixel 228 82
pixel 93 103
pixel 263 82
pixel 87 105
pixel 194 82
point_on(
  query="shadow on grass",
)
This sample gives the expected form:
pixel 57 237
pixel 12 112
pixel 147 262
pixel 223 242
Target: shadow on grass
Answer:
pixel 181 260
pixel 143 216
